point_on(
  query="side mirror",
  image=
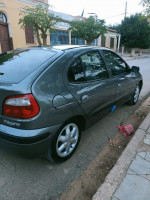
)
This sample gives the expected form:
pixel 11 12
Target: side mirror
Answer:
pixel 135 69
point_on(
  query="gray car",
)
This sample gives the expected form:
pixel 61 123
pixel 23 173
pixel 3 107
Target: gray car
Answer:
pixel 48 95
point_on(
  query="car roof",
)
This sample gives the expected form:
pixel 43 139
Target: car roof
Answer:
pixel 58 48
pixel 65 47
pixel 68 47
pixel 77 48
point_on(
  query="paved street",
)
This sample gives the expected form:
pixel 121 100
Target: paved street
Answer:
pixel 38 179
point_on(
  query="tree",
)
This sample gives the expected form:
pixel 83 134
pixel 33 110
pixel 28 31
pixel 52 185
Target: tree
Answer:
pixel 135 32
pixel 39 20
pixel 146 4
pixel 88 29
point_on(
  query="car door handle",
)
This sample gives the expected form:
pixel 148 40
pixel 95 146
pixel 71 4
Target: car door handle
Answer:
pixel 84 98
pixel 119 84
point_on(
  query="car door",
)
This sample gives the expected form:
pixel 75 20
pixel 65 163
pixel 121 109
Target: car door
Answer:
pixel 89 83
pixel 122 76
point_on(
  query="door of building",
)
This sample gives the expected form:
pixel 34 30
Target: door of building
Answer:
pixel 4 37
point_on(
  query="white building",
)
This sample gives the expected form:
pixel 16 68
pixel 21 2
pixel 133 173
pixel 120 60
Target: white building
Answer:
pixel 61 35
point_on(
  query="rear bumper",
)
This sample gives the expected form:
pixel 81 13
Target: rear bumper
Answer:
pixel 28 143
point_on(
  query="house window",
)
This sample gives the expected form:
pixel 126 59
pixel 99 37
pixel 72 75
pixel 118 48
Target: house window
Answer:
pixel 77 41
pixel 111 42
pixel 103 41
pixel 93 43
pixel 29 35
pixel 3 18
pixel 59 37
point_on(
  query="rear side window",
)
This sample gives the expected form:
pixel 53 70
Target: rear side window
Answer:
pixel 115 63
pixel 76 72
pixel 16 65
pixel 94 66
pixel 88 67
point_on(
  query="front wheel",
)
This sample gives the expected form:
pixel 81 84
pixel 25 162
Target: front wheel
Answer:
pixel 64 143
pixel 135 96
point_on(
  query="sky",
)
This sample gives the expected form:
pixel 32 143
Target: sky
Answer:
pixel 112 11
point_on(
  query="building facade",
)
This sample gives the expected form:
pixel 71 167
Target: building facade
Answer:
pixel 61 35
pixel 12 36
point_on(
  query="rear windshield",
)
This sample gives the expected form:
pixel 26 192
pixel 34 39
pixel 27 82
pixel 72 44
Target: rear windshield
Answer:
pixel 18 64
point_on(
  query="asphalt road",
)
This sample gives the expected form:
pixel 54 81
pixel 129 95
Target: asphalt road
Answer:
pixel 38 179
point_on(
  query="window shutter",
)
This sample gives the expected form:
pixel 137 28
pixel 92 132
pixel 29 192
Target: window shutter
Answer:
pixel 29 35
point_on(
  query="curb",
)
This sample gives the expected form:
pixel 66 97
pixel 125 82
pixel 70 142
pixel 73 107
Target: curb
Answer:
pixel 118 172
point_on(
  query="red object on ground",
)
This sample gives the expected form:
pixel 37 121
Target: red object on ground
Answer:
pixel 126 130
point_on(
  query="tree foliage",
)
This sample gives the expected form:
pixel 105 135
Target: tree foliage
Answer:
pixel 88 29
pixel 146 4
pixel 39 20
pixel 135 32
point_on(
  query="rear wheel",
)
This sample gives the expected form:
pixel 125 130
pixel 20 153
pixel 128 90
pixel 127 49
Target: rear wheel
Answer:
pixel 135 96
pixel 64 143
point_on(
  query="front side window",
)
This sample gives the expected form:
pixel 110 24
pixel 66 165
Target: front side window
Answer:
pixel 94 66
pixel 115 63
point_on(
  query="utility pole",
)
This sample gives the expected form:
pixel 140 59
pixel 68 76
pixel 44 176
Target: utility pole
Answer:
pixel 125 10
pixel 125 14
pixel 118 42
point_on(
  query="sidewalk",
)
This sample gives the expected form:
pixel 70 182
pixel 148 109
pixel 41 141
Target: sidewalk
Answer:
pixel 130 177
pixel 126 56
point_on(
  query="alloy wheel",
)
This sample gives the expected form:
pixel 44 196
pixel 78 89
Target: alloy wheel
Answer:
pixel 67 140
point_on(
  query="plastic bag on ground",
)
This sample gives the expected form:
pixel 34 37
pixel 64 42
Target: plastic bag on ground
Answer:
pixel 126 130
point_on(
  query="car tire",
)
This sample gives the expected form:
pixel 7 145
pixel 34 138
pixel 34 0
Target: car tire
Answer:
pixel 64 143
pixel 135 96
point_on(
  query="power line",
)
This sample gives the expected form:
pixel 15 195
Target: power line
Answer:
pixel 125 13
pixel 115 16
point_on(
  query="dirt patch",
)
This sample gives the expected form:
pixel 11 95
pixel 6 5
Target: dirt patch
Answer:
pixel 88 183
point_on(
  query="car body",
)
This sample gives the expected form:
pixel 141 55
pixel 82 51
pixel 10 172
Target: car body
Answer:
pixel 50 94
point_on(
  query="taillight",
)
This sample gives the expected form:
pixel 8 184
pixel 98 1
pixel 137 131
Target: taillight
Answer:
pixel 21 106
